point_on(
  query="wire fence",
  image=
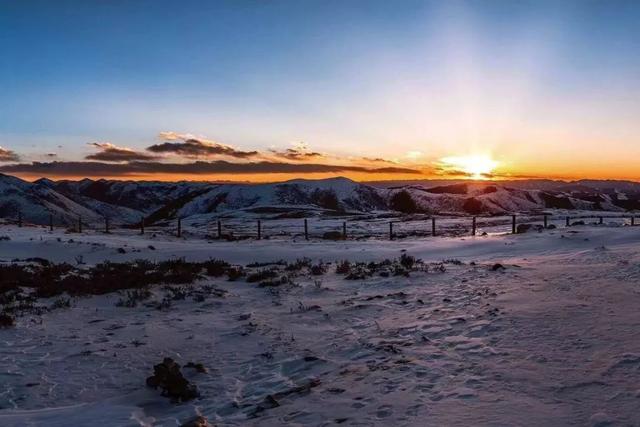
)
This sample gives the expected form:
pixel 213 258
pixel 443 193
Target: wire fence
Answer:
pixel 339 228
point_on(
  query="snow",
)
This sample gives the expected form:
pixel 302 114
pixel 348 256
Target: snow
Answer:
pixel 126 202
pixel 552 339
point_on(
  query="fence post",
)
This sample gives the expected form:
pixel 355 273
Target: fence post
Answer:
pixel 20 219
pixel 545 219
pixel 433 226
pixel 513 224
pixel 306 230
pixel 50 222
pixel 79 224
pixel 567 221
pixel 259 230
pixel 106 225
pixel 344 230
pixel 142 225
pixel 473 227
pixel 633 220
pixel 179 227
pixel 601 220
pixel 390 230
pixel 219 229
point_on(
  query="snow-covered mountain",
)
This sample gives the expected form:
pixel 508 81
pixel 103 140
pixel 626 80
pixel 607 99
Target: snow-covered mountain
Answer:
pixel 38 201
pixel 492 198
pixel 334 194
pixel 125 202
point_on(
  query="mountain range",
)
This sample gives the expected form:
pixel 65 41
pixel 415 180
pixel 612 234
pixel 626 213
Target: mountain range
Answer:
pixel 126 202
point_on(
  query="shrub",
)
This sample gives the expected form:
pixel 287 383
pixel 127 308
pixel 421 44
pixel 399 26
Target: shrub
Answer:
pixel 326 199
pixel 132 298
pixel 6 321
pixel 318 269
pixel 358 272
pixel 473 206
pixel 343 267
pixel 400 271
pixel 298 265
pixel 234 273
pixel 283 280
pixel 261 275
pixel 61 302
pixel 333 235
pixel 403 202
pixel 407 261
pixel 179 271
pixel 215 267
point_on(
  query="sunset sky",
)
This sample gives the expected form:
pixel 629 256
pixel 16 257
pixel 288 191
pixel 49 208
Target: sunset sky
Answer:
pixel 269 90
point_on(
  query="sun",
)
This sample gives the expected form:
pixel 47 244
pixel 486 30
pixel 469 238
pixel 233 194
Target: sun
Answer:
pixel 476 166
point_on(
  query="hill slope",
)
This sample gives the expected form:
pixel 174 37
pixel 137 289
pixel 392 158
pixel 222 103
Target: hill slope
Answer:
pixel 125 202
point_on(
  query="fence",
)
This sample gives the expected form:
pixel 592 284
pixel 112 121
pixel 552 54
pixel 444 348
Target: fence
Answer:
pixel 341 229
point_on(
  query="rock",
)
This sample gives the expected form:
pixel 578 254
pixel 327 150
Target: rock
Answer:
pixel 577 223
pixel 270 402
pixel 551 227
pixel 600 419
pixel 167 376
pixel 497 266
pixel 198 421
pixel 199 367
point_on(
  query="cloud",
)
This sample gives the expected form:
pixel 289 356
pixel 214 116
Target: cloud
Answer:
pixel 112 153
pixel 96 169
pixel 378 160
pixel 492 175
pixel 413 155
pixel 8 155
pixel 299 152
pixel 194 147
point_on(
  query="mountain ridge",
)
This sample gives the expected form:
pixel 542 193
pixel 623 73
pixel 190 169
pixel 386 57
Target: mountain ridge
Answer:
pixel 129 201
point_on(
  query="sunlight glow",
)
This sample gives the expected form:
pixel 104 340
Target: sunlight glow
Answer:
pixel 476 166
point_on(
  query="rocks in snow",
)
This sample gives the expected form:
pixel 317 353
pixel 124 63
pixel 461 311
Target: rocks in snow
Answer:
pixel 199 367
pixel 497 267
pixel 600 419
pixel 169 379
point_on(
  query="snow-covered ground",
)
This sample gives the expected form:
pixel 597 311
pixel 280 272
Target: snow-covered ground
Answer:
pixel 552 339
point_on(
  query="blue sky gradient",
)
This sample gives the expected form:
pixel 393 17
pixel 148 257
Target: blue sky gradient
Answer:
pixel 355 78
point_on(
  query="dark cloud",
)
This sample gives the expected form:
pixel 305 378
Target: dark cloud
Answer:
pixel 377 160
pixel 96 169
pixel 398 170
pixel 112 153
pixel 493 175
pixel 450 172
pixel 193 147
pixel 8 155
pixel 297 154
pixel 510 176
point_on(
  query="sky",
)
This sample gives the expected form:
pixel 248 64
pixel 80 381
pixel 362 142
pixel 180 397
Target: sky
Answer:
pixel 271 90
